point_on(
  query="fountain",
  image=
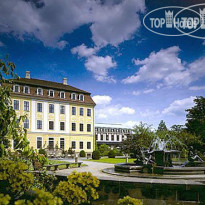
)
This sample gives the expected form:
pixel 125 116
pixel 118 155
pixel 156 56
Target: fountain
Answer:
pixel 157 160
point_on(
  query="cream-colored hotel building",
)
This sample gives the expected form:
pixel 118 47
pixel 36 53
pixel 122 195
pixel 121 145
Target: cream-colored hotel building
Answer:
pixel 57 114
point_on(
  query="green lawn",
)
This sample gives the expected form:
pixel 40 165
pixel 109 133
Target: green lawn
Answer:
pixel 112 160
pixel 50 161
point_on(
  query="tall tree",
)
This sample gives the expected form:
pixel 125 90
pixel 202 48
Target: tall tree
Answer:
pixel 10 124
pixel 162 126
pixel 196 118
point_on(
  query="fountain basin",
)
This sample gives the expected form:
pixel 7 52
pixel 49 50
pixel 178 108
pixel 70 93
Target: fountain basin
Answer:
pixel 127 167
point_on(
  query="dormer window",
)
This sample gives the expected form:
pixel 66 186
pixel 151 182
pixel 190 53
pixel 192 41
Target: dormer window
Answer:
pixel 51 93
pixel 81 97
pixel 73 96
pixel 16 88
pixel 62 94
pixel 39 91
pixel 26 89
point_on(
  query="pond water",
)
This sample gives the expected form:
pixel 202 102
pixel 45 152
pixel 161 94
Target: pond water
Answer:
pixel 151 194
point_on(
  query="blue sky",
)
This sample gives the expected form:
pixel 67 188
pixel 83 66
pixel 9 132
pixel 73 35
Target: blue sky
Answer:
pixel 102 47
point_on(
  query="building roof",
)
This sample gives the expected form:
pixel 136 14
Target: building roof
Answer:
pixel 48 84
pixel 111 125
pixel 57 87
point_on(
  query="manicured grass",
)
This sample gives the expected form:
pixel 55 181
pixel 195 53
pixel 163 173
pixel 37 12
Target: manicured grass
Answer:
pixel 112 160
pixel 50 161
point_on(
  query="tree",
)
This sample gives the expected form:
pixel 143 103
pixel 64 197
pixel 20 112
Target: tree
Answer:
pixel 196 118
pixel 142 138
pixel 162 126
pixel 103 149
pixel 10 124
pixel 177 128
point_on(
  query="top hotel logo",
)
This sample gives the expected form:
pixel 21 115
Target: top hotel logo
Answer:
pixel 177 21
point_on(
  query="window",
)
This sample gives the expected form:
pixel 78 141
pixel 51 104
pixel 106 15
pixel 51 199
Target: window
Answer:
pixel 81 145
pixel 96 137
pixel 16 88
pixel 73 96
pixel 118 138
pixel 81 127
pixel 73 145
pixel 26 106
pixel 88 112
pixel 62 143
pixel 81 97
pixel 26 124
pixel 88 127
pixel 73 126
pixel 39 124
pixel 101 137
pixel 26 89
pixel 51 93
pixel 51 143
pixel 39 107
pixel 73 110
pixel 81 111
pixel 112 137
pixel 39 142
pixel 16 104
pixel 123 137
pixel 51 125
pixel 62 94
pixel 51 108
pixel 62 109
pixel 39 91
pixel 107 137
pixel 62 126
pixel 88 145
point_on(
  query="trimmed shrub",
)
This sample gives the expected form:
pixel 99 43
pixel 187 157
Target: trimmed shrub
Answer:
pixel 129 200
pixel 96 155
pixel 111 154
pixel 82 153
pixel 80 188
pixel 14 180
pixel 40 197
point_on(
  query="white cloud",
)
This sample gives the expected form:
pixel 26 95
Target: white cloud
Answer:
pixel 127 110
pixel 136 93
pixel 111 111
pixel 2 44
pixel 112 22
pixel 178 107
pixel 61 44
pixel 197 68
pixel 148 91
pixel 161 67
pixel 147 113
pixel 102 99
pixel 197 88
pixel 83 51
pixel 99 66
pixel 116 22
pixel 130 124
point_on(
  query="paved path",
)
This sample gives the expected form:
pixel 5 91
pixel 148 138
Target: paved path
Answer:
pixel 96 169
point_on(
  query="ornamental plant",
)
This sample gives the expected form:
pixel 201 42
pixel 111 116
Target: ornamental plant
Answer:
pixel 38 196
pixel 13 178
pixel 38 160
pixel 80 188
pixel 96 155
pixel 127 200
pixel 82 153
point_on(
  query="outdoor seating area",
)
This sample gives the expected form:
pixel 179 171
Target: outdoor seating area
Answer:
pixel 56 166
pixel 59 153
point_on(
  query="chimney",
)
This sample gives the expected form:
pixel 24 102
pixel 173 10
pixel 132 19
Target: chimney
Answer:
pixel 65 81
pixel 28 76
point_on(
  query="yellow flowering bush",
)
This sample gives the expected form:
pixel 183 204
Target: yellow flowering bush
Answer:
pixel 13 178
pixel 4 199
pixel 80 188
pixel 40 197
pixel 127 200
